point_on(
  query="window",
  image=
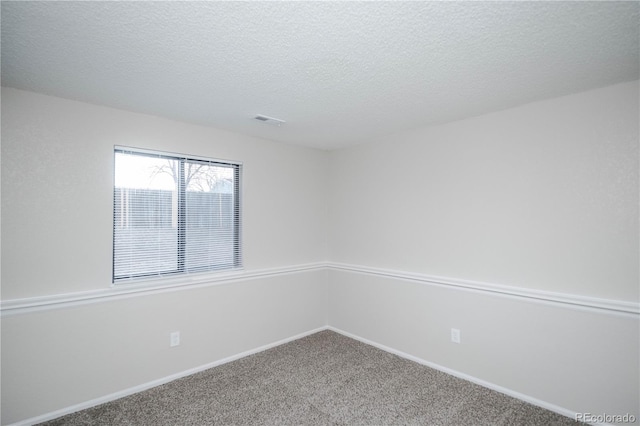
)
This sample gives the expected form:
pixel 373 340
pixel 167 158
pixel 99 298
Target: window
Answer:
pixel 174 215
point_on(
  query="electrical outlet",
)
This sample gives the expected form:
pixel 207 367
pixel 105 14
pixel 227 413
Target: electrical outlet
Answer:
pixel 174 338
pixel 455 335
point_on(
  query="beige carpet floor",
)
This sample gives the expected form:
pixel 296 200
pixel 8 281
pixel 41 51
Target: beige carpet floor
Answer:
pixel 322 379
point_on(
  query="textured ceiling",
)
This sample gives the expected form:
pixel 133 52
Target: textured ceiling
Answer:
pixel 338 73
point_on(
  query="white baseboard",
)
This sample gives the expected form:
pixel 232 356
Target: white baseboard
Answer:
pixel 130 391
pixel 526 398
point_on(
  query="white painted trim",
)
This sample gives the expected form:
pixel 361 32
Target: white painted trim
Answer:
pixel 26 305
pixel 568 300
pixel 483 383
pixel 31 304
pixel 133 390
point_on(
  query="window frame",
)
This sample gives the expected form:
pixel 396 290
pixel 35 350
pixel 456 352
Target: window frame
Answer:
pixel 181 272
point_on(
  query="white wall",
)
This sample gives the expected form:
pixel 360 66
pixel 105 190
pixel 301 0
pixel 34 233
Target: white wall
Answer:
pixel 57 191
pixel 542 199
pixel 567 359
pixel 58 358
pixel 542 196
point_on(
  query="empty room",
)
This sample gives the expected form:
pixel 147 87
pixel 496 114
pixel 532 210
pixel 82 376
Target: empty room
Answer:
pixel 340 213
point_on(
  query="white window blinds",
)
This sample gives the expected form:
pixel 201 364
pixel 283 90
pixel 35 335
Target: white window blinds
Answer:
pixel 174 215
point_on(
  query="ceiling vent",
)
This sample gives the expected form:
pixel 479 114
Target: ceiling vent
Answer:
pixel 269 120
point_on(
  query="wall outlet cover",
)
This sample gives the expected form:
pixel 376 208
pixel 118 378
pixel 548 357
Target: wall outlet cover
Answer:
pixel 455 335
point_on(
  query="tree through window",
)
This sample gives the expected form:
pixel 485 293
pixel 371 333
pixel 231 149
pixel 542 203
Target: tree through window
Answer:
pixel 174 215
